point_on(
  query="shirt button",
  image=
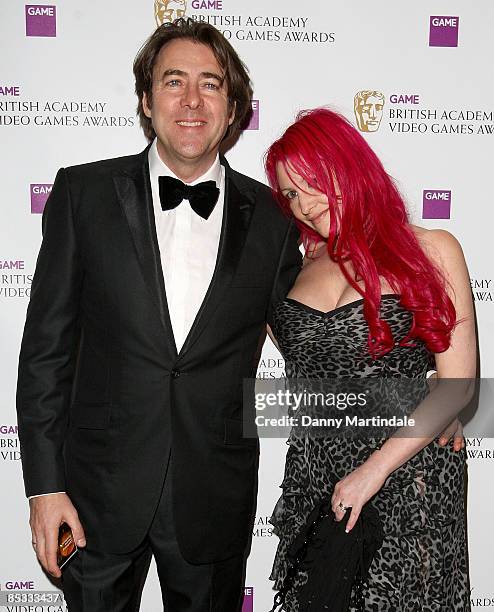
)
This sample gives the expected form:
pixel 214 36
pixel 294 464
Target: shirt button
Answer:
pixel 175 373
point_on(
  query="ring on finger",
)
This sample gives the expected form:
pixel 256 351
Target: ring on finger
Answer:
pixel 341 507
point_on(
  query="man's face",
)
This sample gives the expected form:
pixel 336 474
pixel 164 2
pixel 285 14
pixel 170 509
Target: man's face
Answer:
pixel 370 111
pixel 189 108
pixel 167 11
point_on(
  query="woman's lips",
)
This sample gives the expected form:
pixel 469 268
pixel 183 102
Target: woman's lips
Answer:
pixel 318 217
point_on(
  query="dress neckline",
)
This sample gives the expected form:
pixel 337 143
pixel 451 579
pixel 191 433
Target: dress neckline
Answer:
pixel 329 313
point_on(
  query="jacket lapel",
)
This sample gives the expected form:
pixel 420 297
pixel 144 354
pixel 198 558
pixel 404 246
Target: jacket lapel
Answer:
pixel 133 189
pixel 236 219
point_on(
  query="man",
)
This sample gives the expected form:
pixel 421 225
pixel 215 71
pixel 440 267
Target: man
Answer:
pixel 148 305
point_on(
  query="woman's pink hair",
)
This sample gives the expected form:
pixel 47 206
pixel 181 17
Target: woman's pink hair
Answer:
pixel 370 229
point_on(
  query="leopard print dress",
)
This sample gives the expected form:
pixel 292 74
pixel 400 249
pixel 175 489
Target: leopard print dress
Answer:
pixel 423 563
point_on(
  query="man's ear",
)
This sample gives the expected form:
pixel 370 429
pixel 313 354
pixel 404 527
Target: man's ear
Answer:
pixel 232 113
pixel 145 105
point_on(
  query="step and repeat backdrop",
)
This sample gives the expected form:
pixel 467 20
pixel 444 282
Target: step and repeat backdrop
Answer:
pixel 414 78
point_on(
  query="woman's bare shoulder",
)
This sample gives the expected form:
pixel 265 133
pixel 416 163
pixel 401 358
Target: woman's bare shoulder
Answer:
pixel 440 245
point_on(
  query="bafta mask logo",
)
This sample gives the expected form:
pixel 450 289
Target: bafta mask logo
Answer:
pixel 166 11
pixel 368 107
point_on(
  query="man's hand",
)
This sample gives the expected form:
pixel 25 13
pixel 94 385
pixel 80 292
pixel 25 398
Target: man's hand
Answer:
pixel 453 430
pixel 48 512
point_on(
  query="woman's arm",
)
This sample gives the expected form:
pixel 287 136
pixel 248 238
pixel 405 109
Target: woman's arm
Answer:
pixel 457 362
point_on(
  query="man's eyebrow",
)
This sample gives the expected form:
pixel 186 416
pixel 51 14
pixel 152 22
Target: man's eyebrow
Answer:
pixel 204 75
pixel 174 71
pixel 212 75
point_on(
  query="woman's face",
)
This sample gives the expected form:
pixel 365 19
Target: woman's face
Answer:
pixel 306 203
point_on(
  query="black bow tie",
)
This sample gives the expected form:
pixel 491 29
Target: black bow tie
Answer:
pixel 202 197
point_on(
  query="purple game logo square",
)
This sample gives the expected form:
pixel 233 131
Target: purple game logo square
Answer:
pixel 254 120
pixel 248 600
pixel 436 204
pixel 443 31
pixel 39 195
pixel 41 20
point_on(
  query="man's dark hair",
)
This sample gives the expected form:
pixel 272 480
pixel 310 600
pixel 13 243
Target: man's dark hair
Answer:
pixel 237 80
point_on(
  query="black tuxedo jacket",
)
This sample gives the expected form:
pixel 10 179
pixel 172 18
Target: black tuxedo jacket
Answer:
pixel 102 393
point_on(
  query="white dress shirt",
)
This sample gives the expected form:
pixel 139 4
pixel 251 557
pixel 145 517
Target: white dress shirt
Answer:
pixel 188 247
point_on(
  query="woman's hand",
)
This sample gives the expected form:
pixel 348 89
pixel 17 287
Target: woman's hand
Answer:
pixel 355 489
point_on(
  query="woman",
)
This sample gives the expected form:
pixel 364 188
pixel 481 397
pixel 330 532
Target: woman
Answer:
pixel 376 296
